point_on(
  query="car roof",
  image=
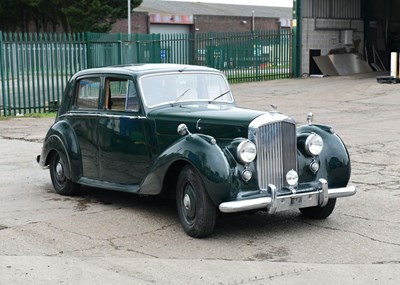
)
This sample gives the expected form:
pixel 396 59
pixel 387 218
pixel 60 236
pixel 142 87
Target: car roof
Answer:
pixel 140 69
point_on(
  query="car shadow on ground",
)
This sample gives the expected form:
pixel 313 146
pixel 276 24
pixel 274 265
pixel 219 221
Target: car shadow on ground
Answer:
pixel 237 224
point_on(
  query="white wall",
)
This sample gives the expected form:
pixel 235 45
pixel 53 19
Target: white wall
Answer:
pixel 169 29
pixel 176 51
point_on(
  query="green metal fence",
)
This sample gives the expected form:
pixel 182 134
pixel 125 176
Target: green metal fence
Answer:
pixel 35 68
pixel 261 55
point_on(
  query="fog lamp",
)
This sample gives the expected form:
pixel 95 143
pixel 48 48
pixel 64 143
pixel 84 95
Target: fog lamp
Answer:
pixel 246 175
pixel 292 178
pixel 314 166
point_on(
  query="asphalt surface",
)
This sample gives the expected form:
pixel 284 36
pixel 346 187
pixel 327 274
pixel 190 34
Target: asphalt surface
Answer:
pixel 102 237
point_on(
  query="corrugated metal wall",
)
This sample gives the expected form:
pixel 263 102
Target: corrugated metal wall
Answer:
pixel 331 9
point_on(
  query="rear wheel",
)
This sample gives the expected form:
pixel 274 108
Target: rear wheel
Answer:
pixel 319 212
pixel 196 211
pixel 61 183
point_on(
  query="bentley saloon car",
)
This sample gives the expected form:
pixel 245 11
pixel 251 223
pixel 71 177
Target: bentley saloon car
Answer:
pixel 175 130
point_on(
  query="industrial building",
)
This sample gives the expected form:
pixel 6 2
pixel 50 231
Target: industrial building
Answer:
pixel 359 34
pixel 368 28
pixel 171 17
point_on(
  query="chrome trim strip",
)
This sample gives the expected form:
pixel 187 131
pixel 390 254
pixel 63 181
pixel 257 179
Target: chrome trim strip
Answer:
pixel 70 114
pixel 269 118
pixel 101 115
pixel 120 116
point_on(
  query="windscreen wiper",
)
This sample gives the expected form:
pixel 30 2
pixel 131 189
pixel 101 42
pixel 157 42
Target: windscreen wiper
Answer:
pixel 219 96
pixel 180 96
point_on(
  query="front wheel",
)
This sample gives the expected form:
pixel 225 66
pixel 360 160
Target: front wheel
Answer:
pixel 196 211
pixel 319 212
pixel 61 183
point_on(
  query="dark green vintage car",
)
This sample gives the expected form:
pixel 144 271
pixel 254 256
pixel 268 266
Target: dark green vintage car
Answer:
pixel 175 130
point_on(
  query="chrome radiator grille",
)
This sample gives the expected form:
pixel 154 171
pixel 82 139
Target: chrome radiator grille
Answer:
pixel 276 153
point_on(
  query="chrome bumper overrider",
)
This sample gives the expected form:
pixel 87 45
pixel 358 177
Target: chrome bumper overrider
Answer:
pixel 273 203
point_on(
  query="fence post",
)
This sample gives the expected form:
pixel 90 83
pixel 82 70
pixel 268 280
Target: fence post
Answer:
pixel 3 88
pixel 139 58
pixel 88 50
pixel 120 46
pixel 296 39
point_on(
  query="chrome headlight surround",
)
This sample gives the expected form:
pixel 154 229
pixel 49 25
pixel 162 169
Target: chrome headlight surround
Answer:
pixel 246 152
pixel 314 144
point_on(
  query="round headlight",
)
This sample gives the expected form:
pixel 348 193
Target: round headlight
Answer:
pixel 246 152
pixel 314 144
pixel 292 178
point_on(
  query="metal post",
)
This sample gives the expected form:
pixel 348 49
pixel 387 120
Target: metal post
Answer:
pixel 89 61
pixel 296 38
pixel 129 17
pixel 3 87
pixel 252 21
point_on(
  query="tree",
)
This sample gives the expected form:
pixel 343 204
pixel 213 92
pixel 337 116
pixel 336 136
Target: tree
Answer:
pixel 67 15
pixel 45 15
pixel 10 13
pixel 95 15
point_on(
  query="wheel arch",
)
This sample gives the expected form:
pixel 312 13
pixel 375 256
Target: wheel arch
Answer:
pixel 205 157
pixel 61 138
pixel 334 160
pixel 171 178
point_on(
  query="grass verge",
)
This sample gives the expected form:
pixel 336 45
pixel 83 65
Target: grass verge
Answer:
pixel 30 115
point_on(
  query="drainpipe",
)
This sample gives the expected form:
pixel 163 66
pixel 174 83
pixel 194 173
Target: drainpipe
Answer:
pixel 129 17
pixel 252 21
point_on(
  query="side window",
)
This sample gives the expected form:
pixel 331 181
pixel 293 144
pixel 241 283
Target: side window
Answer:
pixel 121 95
pixel 132 102
pixel 88 91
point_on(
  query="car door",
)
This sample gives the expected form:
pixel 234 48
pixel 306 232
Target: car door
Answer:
pixel 124 154
pixel 83 119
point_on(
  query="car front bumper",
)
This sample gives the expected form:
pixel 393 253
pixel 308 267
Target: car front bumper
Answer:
pixel 274 203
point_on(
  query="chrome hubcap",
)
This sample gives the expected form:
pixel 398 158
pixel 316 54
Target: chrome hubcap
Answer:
pixel 186 201
pixel 189 203
pixel 59 174
pixel 59 169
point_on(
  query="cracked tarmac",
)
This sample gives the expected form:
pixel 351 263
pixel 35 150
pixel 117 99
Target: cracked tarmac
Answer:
pixel 102 237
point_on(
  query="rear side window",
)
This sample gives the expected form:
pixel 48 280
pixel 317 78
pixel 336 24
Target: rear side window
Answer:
pixel 121 95
pixel 88 91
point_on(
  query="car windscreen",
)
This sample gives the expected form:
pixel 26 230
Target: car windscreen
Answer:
pixel 166 88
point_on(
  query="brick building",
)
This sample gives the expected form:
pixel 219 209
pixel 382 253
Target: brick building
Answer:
pixel 154 16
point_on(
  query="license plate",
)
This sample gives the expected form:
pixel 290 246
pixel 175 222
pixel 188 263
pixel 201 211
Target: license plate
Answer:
pixel 296 201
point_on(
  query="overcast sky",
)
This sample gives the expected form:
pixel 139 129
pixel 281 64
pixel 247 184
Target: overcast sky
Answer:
pixel 278 3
